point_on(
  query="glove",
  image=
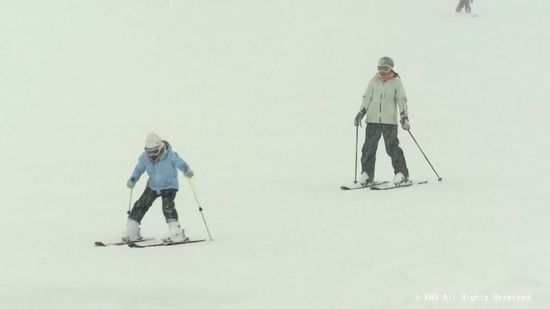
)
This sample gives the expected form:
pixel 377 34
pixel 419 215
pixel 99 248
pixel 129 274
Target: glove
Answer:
pixel 188 173
pixel 131 183
pixel 405 123
pixel 359 116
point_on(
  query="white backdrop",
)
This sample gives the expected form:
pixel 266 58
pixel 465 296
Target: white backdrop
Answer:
pixel 259 98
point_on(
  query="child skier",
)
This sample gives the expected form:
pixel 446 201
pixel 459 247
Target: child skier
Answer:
pixel 383 98
pixel 161 164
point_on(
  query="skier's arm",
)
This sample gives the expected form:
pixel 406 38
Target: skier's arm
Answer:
pixel 182 165
pixel 179 163
pixel 367 98
pixel 139 169
pixel 401 101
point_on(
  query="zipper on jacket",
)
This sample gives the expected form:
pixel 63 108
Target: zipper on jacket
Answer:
pixel 382 95
pixel 380 110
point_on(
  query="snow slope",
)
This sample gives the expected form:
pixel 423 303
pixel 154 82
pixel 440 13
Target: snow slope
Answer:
pixel 259 98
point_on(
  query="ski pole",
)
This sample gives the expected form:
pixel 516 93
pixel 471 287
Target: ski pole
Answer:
pixel 356 143
pixel 438 177
pixel 130 202
pixel 200 208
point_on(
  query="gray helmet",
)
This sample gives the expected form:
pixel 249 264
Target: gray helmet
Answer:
pixel 385 61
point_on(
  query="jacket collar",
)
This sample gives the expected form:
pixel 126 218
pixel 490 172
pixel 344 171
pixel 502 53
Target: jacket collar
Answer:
pixel 390 75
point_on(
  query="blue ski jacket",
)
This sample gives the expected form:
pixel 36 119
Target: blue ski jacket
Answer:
pixel 163 174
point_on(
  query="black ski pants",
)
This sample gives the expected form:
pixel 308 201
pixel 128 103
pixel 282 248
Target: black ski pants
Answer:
pixel 464 4
pixel 142 205
pixel 373 132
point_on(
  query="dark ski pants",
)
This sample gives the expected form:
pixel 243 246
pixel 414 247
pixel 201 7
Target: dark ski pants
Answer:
pixel 145 201
pixel 464 4
pixel 372 136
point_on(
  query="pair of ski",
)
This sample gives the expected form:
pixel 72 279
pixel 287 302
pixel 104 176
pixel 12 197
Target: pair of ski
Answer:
pixel 465 15
pixel 138 243
pixel 385 185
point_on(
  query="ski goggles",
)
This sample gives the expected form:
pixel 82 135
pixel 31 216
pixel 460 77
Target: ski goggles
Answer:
pixel 153 151
pixel 384 68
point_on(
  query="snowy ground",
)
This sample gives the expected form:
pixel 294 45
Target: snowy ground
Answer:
pixel 259 97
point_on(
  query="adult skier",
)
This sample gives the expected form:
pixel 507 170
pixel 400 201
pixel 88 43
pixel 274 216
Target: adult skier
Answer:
pixel 161 164
pixel 383 98
pixel 464 4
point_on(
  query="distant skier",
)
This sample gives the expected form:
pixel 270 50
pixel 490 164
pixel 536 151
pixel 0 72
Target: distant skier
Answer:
pixel 383 98
pixel 464 4
pixel 161 164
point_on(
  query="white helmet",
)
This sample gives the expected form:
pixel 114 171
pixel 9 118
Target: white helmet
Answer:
pixel 154 146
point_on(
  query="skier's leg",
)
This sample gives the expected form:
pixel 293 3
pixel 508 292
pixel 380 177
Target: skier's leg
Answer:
pixel 168 205
pixel 393 150
pixel 136 214
pixel 142 205
pixel 368 153
pixel 175 232
pixel 468 9
pixel 460 6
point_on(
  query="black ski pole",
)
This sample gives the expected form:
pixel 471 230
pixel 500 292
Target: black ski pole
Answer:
pixel 130 202
pixel 438 177
pixel 356 143
pixel 200 208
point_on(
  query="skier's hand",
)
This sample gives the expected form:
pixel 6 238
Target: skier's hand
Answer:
pixel 131 183
pixel 359 117
pixel 405 123
pixel 188 173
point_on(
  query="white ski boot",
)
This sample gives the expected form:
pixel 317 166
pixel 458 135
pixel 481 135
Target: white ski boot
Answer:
pixel 365 180
pixel 175 233
pixel 132 231
pixel 399 179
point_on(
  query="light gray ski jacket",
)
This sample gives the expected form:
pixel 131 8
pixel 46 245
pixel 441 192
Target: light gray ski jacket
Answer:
pixel 383 99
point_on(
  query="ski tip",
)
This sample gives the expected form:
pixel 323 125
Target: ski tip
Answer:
pixel 185 242
pixel 99 244
pixel 345 188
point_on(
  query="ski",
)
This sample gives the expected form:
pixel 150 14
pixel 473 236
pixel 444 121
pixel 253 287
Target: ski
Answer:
pixel 464 15
pixel 393 186
pixel 376 183
pixel 118 243
pixel 164 244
